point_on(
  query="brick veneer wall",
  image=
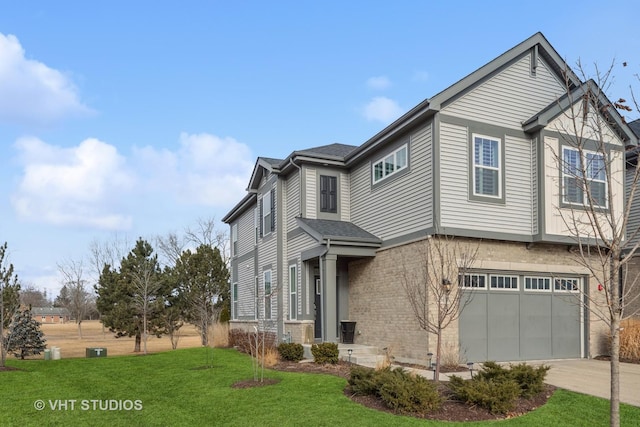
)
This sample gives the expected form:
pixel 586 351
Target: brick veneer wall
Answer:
pixel 379 305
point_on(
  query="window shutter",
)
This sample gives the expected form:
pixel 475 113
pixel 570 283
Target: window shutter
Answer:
pixel 260 218
pixel 333 194
pixel 273 209
pixel 324 193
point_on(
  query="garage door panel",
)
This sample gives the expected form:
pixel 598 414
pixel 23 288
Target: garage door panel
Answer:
pixel 473 328
pixel 535 326
pixel 566 326
pixel 504 328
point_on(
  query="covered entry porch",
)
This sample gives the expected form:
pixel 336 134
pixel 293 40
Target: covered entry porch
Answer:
pixel 327 271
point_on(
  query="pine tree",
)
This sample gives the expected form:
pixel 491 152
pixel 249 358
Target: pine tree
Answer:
pixel 25 337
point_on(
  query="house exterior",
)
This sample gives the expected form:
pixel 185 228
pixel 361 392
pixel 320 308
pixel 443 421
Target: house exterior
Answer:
pixel 50 314
pixel 631 291
pixel 324 236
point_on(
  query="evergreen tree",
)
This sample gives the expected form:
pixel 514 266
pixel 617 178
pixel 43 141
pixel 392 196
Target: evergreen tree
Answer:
pixel 9 300
pixel 25 337
pixel 121 297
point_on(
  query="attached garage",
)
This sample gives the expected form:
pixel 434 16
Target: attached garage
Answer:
pixel 512 317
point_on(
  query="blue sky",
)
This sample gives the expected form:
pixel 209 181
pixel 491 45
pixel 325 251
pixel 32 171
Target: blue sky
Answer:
pixel 138 118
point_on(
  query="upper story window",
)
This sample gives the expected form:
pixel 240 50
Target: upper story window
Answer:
pixel 266 277
pixel 487 165
pixel 234 239
pixel 268 209
pixel 328 194
pixel 391 164
pixel 583 175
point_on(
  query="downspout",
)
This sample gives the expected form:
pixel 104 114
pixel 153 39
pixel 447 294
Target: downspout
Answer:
pixel 300 185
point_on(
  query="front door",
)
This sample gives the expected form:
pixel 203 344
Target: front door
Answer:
pixel 317 305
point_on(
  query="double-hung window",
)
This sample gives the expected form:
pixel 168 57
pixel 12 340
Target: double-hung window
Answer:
pixel 266 276
pixel 293 292
pixel 487 174
pixel 267 208
pixel 234 239
pixel 583 175
pixel 235 301
pixel 391 164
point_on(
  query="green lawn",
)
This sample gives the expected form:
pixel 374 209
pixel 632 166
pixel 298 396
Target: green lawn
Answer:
pixel 173 392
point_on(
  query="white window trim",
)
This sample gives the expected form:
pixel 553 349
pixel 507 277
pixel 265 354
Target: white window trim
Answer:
pixel 550 279
pixel 583 160
pixel 267 295
pixel 234 305
pixel 234 239
pixel 499 168
pixel 462 285
pixel 516 289
pixel 293 290
pixel 397 168
pixel 565 291
pixel 266 213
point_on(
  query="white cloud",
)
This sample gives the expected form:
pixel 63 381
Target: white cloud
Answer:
pixel 78 186
pixel 379 82
pixel 382 109
pixel 205 169
pixel 30 91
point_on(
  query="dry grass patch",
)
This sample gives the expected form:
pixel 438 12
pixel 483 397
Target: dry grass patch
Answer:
pixel 65 336
pixel 630 340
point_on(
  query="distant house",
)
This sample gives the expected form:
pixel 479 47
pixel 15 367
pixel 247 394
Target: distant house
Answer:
pixel 50 314
pixel 322 235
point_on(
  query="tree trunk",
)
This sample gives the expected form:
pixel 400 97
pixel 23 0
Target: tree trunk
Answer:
pixel 438 352
pixel 615 372
pixel 136 348
pixel 79 329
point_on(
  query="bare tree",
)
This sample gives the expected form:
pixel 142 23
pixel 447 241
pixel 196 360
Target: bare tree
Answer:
pixel 435 285
pixel 206 233
pixel 146 284
pixel 30 296
pixel 595 210
pixel 78 302
pixel 170 247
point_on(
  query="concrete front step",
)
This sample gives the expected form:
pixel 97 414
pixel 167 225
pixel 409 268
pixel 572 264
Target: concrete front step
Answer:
pixel 365 353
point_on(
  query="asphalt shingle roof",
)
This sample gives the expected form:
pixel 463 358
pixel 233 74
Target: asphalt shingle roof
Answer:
pixel 330 229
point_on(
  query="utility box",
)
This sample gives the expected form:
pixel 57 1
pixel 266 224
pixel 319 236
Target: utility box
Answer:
pixel 96 352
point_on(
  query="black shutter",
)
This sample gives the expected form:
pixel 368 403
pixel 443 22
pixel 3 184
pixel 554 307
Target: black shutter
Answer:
pixel 333 194
pixel 260 218
pixel 273 209
pixel 324 193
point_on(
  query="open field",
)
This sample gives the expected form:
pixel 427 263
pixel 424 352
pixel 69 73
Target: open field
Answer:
pixel 65 336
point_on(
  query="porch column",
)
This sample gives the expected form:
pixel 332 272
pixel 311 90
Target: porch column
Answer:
pixel 330 298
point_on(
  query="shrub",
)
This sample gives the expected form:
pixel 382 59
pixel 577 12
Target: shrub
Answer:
pixel 363 381
pixel 246 341
pixel 407 393
pixel 530 379
pixel 497 395
pixel 326 352
pixel 291 351
pixel 496 388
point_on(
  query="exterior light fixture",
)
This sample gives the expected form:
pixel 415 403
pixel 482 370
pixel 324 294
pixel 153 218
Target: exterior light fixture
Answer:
pixel 446 284
pixel 350 351
pixel 429 355
pixel 470 366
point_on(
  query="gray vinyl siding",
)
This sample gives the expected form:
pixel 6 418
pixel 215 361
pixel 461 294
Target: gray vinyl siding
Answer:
pixel 457 211
pixel 399 205
pixel 268 260
pixel 296 246
pixel 510 97
pixel 246 232
pixel 311 188
pixel 345 197
pixel 634 215
pixel 246 290
pixel 292 209
pixel 535 197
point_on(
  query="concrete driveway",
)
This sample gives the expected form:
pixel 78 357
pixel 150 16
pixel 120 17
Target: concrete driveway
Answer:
pixel 590 376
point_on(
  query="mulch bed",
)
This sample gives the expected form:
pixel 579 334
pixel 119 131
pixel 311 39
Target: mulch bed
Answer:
pixel 451 410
